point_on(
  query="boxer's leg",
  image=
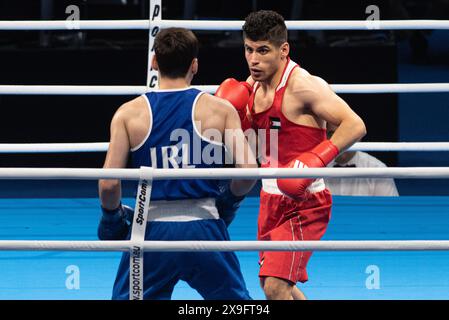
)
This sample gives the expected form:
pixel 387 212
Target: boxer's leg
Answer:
pixel 277 289
pixel 298 294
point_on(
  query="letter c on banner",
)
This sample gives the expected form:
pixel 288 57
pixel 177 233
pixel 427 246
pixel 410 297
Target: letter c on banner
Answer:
pixel 153 82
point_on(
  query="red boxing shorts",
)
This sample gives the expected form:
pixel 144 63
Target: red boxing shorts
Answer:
pixel 283 219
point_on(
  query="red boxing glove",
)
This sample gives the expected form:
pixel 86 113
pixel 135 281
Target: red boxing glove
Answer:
pixel 318 157
pixel 237 93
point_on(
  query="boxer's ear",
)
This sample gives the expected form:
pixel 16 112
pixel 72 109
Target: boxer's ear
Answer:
pixel 285 50
pixel 154 64
pixel 194 66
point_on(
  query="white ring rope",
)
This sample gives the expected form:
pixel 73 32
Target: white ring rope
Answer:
pixel 223 25
pixel 72 90
pixel 221 173
pixel 54 147
pixel 370 88
pixel 400 146
pixel 103 147
pixel 322 245
pixel 138 90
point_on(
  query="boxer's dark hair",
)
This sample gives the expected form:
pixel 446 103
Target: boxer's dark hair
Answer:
pixel 265 25
pixel 175 48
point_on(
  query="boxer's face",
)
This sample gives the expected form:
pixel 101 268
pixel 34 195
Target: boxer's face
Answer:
pixel 264 58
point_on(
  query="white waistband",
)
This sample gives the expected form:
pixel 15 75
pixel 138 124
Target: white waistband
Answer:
pixel 271 186
pixel 182 210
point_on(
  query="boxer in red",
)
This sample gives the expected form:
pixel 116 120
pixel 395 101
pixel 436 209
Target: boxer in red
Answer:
pixel 280 95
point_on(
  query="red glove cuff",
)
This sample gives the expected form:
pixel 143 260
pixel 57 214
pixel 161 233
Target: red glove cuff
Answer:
pixel 326 151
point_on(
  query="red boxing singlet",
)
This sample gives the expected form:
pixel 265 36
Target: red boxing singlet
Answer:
pixel 293 139
pixel 281 218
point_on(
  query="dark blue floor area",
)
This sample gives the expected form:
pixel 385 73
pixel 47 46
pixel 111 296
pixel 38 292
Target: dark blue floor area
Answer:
pixel 415 124
pixel 332 275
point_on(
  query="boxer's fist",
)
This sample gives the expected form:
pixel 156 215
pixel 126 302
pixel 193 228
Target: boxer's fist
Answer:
pixel 318 157
pixel 115 224
pixel 237 93
pixel 227 203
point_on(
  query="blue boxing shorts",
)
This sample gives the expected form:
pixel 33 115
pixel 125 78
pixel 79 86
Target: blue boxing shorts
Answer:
pixel 215 275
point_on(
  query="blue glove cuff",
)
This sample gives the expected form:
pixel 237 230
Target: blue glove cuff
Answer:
pixel 227 204
pixel 112 216
pixel 115 224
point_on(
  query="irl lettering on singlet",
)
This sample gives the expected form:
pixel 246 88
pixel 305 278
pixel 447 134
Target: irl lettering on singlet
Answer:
pixel 188 152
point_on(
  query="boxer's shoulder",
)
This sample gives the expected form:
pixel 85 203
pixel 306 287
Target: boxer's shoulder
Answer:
pixel 132 109
pixel 301 79
pixel 306 86
pixel 208 103
pixel 133 115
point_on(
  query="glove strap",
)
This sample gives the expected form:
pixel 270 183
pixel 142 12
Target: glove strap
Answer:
pixel 112 216
pixel 326 151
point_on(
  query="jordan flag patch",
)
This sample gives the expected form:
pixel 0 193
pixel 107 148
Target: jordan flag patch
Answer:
pixel 275 123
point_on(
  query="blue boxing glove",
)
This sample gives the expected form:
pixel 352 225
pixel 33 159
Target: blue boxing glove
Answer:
pixel 227 203
pixel 115 224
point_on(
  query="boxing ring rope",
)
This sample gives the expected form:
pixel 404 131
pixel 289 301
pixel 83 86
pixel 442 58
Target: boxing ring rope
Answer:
pixel 369 88
pixel 138 90
pixel 103 147
pixel 146 173
pixel 220 173
pixel 72 90
pixel 55 147
pixel 218 25
pixel 155 174
pixel 322 245
pixel 223 25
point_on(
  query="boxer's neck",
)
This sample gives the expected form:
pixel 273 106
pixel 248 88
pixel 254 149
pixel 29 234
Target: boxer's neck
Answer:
pixel 169 83
pixel 273 82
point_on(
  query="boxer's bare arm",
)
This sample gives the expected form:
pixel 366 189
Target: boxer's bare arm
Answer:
pixel 234 137
pixel 217 113
pixel 210 114
pixel 317 96
pixel 116 157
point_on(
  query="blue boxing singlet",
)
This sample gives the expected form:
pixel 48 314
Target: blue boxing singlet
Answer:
pixel 173 141
pixel 182 209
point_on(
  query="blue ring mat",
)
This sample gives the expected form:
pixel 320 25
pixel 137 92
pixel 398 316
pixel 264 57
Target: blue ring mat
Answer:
pixel 332 275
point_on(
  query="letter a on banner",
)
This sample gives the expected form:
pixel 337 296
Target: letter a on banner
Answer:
pixel 155 26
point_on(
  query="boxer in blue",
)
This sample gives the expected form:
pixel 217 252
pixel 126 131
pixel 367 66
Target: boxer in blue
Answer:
pixel 177 126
